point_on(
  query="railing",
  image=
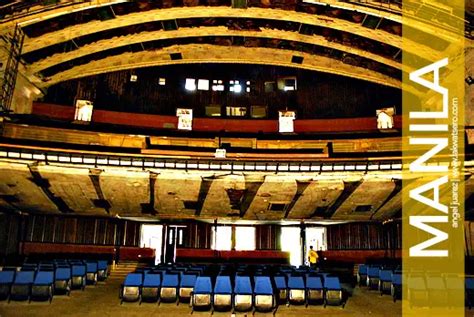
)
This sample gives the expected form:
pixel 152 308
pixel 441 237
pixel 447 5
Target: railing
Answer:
pixel 145 162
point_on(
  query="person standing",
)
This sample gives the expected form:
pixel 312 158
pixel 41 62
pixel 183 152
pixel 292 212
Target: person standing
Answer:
pixel 312 257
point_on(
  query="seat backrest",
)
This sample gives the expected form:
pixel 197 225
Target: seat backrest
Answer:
pixel 63 273
pixel 188 280
pixel 263 285
pixel 24 277
pixel 280 282
pixel 223 285
pixel 314 282
pixel 470 283
pixel 435 283
pixel 203 285
pixel 363 269
pixel 91 267
pixel 242 285
pixel 416 283
pixel 133 279
pixel 332 283
pixel 102 264
pixel 296 282
pixel 396 279
pixel 373 271
pixel 44 278
pixel 170 280
pixel 7 277
pixel 385 275
pixel 152 280
pixel 78 269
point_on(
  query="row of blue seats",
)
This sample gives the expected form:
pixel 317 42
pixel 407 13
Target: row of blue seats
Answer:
pixel 385 280
pixel 225 292
pixel 42 281
pixel 423 288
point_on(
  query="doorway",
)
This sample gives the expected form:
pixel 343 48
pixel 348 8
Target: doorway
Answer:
pixel 291 242
pixel 316 237
pixel 151 237
pixel 174 239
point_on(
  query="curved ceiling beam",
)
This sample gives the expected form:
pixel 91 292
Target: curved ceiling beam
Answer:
pixel 198 53
pixel 394 15
pixel 406 18
pixel 203 31
pixel 216 12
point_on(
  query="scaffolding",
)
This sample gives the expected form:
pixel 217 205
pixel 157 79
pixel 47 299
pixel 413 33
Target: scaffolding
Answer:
pixel 13 44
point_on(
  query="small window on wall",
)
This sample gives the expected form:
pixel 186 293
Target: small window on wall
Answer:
pixel 258 112
pixel 190 84
pixel 245 238
pixel 287 84
pixel 162 81
pixel 236 111
pixel 217 85
pixel 248 86
pixel 221 238
pixel 203 84
pixel 235 86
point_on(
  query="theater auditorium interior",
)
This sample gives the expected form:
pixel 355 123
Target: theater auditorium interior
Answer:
pixel 178 157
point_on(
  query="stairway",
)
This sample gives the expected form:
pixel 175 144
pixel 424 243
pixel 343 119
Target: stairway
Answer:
pixel 120 270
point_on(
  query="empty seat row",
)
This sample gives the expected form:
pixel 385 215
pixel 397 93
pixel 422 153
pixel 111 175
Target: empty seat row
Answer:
pixel 240 293
pixel 42 281
pixel 26 285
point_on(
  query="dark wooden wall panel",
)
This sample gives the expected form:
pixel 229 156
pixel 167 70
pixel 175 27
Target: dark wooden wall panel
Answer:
pixel 198 235
pixel 81 230
pixel 267 237
pixel 364 236
pixel 9 236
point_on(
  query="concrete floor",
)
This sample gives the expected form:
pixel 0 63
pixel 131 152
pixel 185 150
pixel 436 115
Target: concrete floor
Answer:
pixel 102 300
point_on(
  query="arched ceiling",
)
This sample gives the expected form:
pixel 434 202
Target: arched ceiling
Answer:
pixel 339 18
pixel 205 53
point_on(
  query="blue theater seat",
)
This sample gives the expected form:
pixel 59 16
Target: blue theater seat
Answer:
pixel 6 281
pixel 62 280
pixel 169 288
pixel 333 291
pixel 362 275
pixel 103 270
pixel 29 267
pixel 42 288
pixel 385 281
pixel 21 287
pixel 469 291
pixel 296 290
pixel 202 293
pixel 314 290
pixel 455 287
pixel 282 288
pixel 373 277
pixel 151 287
pixel 186 286
pixel 396 287
pixel 78 271
pixel 264 296
pixel 130 290
pixel 222 299
pixel 417 291
pixel 91 272
pixel 437 291
pixel 243 294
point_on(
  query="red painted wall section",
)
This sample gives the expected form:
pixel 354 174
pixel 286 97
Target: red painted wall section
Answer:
pixel 207 124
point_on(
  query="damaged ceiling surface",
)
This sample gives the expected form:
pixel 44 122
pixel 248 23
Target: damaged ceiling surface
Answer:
pixel 179 194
